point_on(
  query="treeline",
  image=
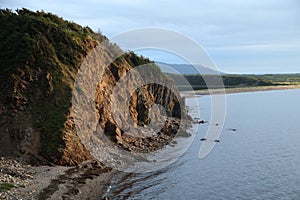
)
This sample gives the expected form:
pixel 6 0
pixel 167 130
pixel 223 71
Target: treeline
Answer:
pixel 283 79
pixel 198 82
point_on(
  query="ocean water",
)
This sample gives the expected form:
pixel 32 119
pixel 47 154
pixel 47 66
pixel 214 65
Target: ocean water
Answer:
pixel 260 160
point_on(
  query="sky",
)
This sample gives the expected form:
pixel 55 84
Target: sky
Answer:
pixel 253 36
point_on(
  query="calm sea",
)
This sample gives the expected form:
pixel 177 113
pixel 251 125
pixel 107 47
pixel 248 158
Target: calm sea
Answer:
pixel 260 160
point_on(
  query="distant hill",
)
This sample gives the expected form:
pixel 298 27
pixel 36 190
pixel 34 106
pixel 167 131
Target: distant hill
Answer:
pixel 181 73
pixel 186 69
pixel 198 82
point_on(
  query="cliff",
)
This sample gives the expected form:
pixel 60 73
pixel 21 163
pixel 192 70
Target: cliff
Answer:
pixel 41 55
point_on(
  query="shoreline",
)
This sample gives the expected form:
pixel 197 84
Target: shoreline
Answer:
pixel 190 94
pixel 88 179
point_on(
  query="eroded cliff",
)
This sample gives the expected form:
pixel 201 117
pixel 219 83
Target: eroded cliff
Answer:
pixel 41 55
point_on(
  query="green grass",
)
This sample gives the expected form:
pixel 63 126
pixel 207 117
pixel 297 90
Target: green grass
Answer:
pixel 40 56
pixel 34 47
pixel 6 186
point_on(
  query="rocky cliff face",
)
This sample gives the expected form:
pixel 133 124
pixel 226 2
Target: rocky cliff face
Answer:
pixel 40 60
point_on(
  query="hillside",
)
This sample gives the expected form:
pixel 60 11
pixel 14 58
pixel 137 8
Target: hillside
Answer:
pixel 197 82
pixel 40 57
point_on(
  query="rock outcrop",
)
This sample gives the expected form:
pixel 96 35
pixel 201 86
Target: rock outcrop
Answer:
pixel 40 60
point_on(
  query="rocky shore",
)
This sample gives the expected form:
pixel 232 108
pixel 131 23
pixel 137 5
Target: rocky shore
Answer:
pixel 61 101
pixel 19 180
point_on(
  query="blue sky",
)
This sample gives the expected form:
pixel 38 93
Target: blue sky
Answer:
pixel 255 36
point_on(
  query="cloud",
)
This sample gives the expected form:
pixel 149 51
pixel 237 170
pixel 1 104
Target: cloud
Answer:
pixel 256 47
pixel 222 27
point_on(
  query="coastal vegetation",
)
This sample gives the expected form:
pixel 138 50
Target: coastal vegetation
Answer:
pixel 6 186
pixel 198 82
pixel 41 54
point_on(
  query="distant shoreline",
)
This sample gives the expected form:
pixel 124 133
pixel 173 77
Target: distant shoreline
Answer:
pixel 188 94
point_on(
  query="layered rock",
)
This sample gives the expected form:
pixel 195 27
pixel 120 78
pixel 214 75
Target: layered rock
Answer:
pixel 37 108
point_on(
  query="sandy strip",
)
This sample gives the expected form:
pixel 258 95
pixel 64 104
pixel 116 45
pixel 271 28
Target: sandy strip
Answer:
pixel 85 181
pixel 189 94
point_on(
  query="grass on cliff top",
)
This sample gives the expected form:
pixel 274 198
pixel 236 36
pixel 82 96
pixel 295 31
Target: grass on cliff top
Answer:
pixel 40 55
